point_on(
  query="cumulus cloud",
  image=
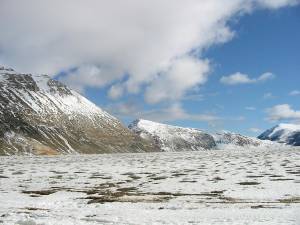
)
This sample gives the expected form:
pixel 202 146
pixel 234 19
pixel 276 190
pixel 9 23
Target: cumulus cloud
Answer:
pixel 237 78
pixel 99 43
pixel 183 74
pixel 88 75
pixel 240 78
pixel 283 112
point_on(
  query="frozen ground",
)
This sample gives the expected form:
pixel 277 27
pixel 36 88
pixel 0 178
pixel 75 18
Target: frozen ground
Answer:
pixel 207 187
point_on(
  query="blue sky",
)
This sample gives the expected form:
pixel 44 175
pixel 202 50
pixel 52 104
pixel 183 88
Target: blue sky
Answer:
pixel 210 64
pixel 265 42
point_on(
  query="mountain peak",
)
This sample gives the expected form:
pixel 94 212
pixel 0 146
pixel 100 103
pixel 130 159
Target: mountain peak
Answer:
pixel 286 133
pixel 33 82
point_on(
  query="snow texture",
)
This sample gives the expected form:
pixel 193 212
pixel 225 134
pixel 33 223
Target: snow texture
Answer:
pixel 202 187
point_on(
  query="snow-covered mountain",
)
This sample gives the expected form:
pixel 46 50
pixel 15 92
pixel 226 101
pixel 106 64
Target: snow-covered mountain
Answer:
pixel 283 133
pixel 172 138
pixel 229 140
pixel 39 115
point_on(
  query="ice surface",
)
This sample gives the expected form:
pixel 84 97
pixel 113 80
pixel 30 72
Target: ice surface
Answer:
pixel 206 187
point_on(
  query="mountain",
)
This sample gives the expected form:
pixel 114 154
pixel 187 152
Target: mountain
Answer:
pixel 283 133
pixel 229 140
pixel 39 115
pixel 172 138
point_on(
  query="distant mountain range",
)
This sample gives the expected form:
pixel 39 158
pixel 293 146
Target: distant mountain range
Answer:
pixel 173 138
pixel 42 116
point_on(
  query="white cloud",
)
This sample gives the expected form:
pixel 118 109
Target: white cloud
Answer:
pixel 106 40
pixel 294 93
pixel 265 76
pixel 237 78
pixel 88 75
pixel 182 75
pixel 240 78
pixel 283 112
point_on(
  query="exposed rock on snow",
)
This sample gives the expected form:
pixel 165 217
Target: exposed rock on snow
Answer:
pixel 172 138
pixel 39 115
pixel 283 133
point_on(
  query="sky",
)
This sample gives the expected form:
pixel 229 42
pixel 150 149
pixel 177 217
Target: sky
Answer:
pixel 210 64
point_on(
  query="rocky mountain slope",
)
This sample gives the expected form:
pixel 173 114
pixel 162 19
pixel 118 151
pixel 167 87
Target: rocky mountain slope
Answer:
pixel 283 133
pixel 39 115
pixel 172 138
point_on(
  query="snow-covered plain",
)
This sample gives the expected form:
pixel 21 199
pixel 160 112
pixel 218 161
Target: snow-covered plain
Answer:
pixel 205 187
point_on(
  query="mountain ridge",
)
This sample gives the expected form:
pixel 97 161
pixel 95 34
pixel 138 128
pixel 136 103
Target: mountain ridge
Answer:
pixel 175 138
pixel 172 138
pixel 39 115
